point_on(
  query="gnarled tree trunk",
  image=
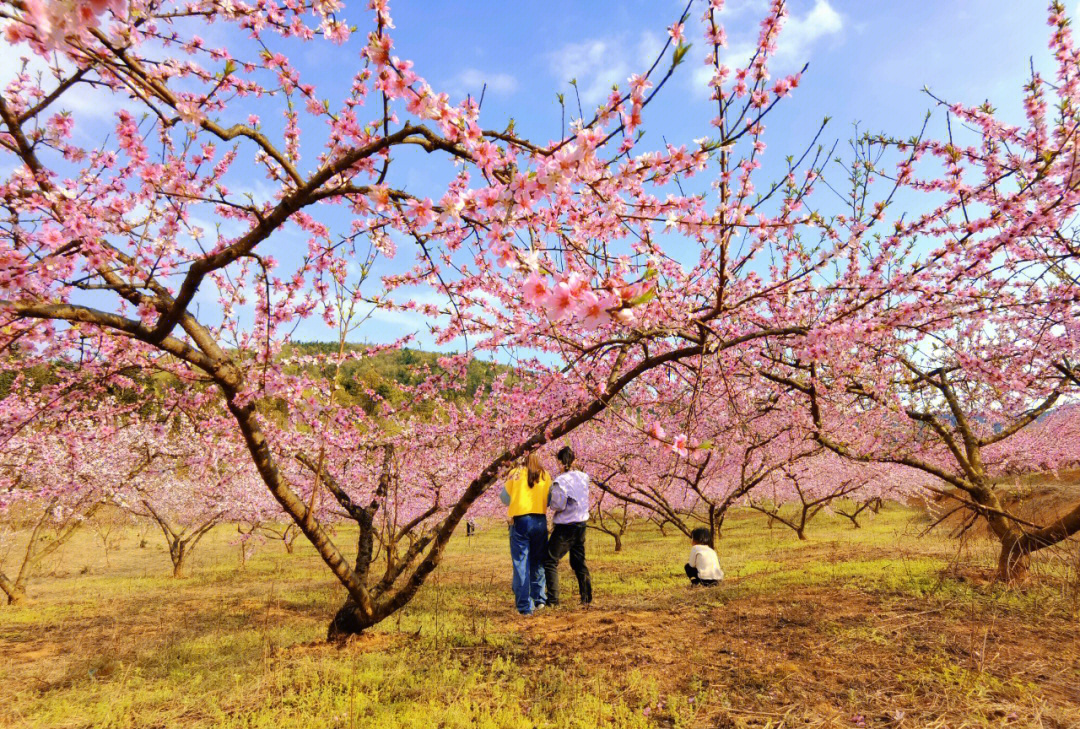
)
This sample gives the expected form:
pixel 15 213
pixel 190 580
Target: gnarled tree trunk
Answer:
pixel 1019 541
pixel 16 593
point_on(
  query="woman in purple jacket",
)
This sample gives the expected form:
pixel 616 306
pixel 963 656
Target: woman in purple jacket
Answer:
pixel 570 503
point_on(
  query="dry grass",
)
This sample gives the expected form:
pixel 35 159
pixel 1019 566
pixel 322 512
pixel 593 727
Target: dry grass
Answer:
pixel 880 627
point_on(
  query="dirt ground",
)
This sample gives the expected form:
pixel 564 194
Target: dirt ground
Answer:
pixel 882 626
pixel 802 659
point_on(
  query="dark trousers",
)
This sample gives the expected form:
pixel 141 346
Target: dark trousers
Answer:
pixel 691 572
pixel 567 538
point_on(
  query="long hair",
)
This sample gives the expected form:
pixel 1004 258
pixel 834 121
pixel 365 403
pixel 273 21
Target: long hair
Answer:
pixel 535 468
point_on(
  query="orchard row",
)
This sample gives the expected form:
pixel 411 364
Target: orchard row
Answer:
pixel 701 318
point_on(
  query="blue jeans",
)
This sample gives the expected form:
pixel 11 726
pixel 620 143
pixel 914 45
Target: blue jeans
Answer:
pixel 528 545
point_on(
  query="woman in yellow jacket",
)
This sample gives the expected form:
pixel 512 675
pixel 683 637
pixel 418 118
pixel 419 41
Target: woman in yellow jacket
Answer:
pixel 526 497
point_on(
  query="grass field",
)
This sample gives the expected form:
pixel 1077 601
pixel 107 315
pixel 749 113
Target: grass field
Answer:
pixel 881 626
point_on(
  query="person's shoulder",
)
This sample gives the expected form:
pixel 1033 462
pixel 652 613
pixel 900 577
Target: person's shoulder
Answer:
pixel 566 480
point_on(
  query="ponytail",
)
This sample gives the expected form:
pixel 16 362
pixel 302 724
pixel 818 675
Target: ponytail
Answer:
pixel 565 456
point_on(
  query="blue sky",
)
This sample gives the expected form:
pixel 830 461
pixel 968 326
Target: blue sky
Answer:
pixel 869 60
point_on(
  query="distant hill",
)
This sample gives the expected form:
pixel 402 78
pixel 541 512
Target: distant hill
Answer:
pixel 385 372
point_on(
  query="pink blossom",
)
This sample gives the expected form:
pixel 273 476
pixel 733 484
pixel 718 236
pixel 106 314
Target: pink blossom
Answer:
pixel 656 431
pixel 561 301
pixel 534 291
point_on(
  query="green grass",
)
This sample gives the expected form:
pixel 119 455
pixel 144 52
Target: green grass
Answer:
pixel 849 622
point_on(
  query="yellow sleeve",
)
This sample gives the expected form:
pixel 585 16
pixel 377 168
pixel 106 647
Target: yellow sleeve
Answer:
pixel 513 483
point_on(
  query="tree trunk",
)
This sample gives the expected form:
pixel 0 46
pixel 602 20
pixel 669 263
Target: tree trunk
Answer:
pixel 1015 557
pixel 716 523
pixel 178 554
pixel 349 620
pixel 1016 544
pixel 618 542
pixel 289 537
pixel 15 592
pixel 853 517
pixel 267 467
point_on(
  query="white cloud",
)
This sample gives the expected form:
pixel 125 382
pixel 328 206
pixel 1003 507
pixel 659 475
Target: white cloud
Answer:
pixel 472 80
pixel 735 55
pixel 87 104
pixel 734 8
pixel 407 322
pixel 800 34
pixel 599 63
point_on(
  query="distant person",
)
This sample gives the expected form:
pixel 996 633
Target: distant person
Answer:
pixel 526 497
pixel 704 566
pixel 470 528
pixel 570 507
